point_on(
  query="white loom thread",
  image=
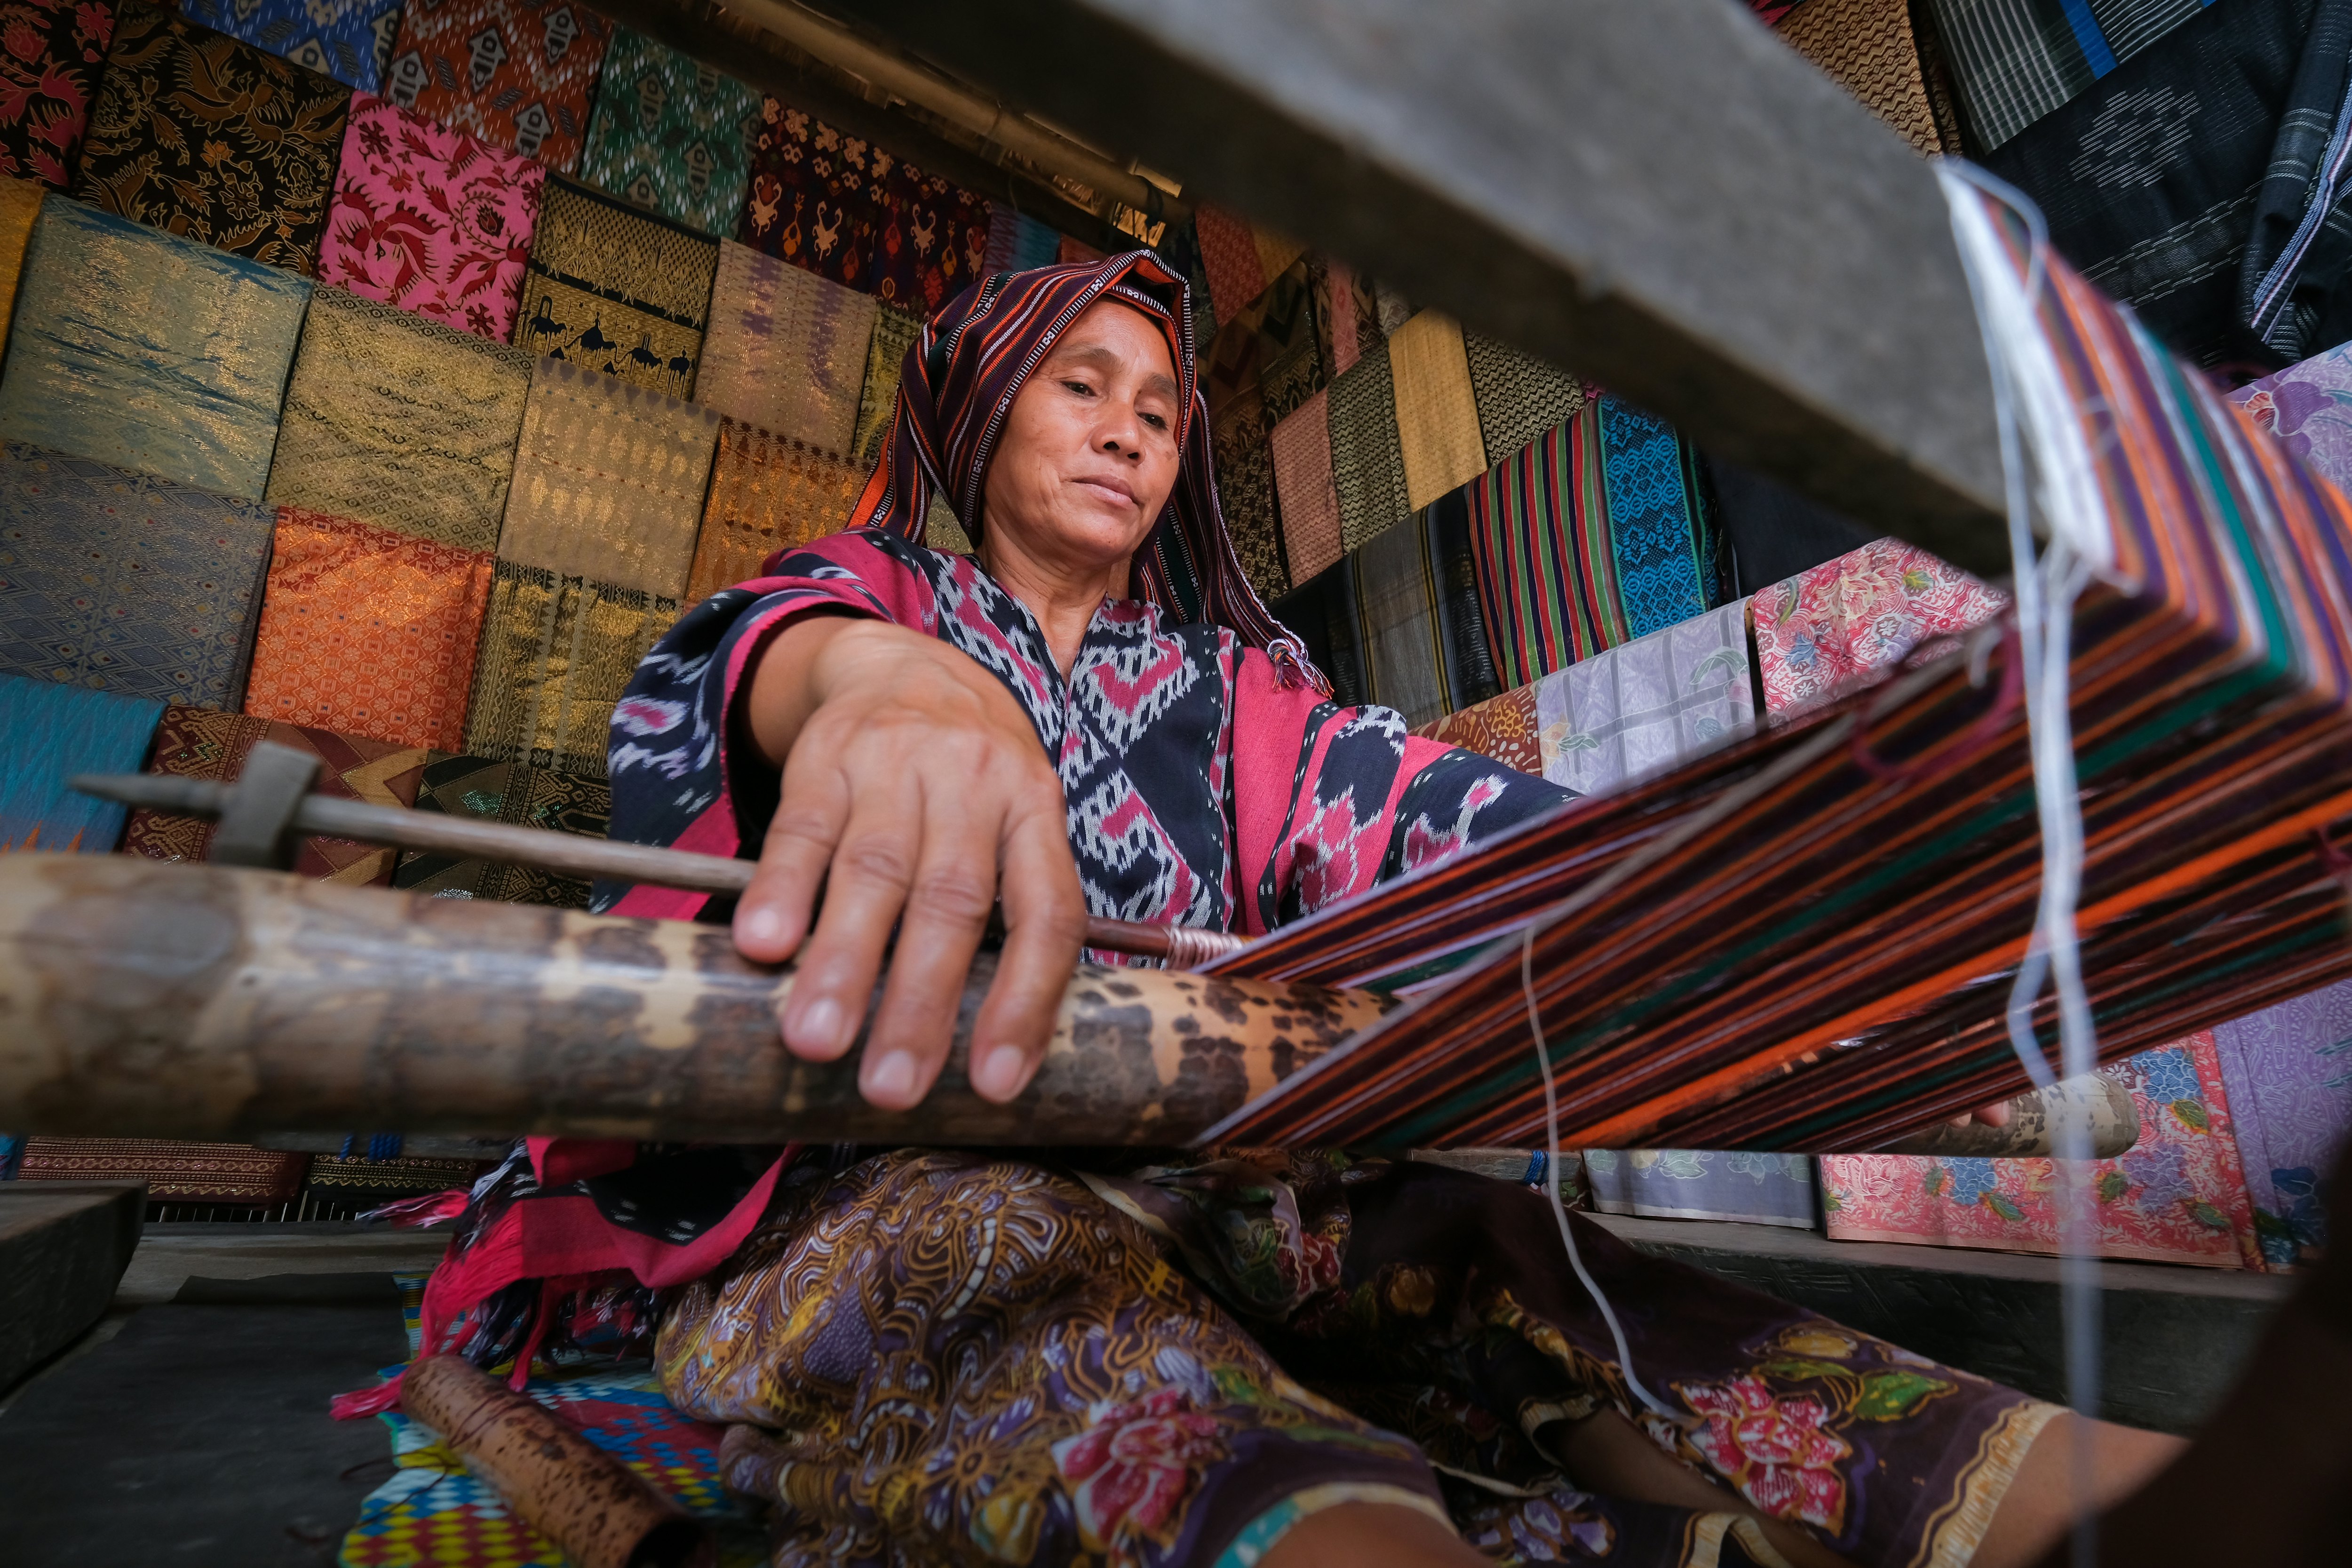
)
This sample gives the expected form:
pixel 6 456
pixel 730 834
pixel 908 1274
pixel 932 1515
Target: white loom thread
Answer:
pixel 2024 372
pixel 1558 1208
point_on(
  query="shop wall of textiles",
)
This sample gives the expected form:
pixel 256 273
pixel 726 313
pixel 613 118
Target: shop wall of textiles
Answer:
pixel 383 381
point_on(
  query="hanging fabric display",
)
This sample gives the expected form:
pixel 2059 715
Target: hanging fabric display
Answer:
pixel 2016 60
pixel 1290 359
pixel 432 220
pixel 1229 254
pixel 203 744
pixel 400 423
pixel 56 731
pixel 1820 632
pixel 518 73
pixel 1503 727
pixel 1017 242
pixel 1347 314
pixel 1231 381
pixel 1867 45
pixel 348 40
pixel 368 632
pixel 57 49
pixel 894 333
pixel 786 350
pixel 1436 413
pixel 1180 246
pixel 613 289
pixel 1640 707
pixel 2290 1093
pixel 670 134
pixel 814 199
pixel 1416 604
pixel 1769 531
pixel 20 209
pixel 766 493
pixel 1519 396
pixel 117 582
pixel 931 239
pixel 211 139
pixel 111 314
pixel 609 482
pixel 557 652
pixel 1307 496
pixel 1367 453
pixel 518 795
pixel 1321 612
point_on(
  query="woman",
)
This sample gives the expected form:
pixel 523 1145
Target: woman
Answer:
pixel 1281 1358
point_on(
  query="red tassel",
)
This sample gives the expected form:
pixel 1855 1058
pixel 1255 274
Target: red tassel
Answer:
pixel 366 1401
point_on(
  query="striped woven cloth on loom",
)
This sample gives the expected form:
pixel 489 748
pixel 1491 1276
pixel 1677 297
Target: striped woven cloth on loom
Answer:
pixel 367 631
pixel 1822 630
pixel 1436 413
pixel 1367 455
pixel 150 352
pixel 201 743
pixel 1818 963
pixel 609 480
pixel 616 289
pixel 766 493
pixel 1596 534
pixel 212 139
pixel 173 1172
pixel 51 69
pixel 516 73
pixel 557 653
pixel 430 219
pixel 1416 604
pixel 400 423
pixel 347 39
pixel 117 582
pixel 518 796
pixel 55 731
pixel 670 134
pixel 786 350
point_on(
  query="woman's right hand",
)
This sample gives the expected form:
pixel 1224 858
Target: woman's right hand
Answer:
pixel 913 789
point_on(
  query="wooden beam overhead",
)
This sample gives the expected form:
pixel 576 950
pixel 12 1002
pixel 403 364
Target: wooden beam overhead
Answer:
pixel 1657 193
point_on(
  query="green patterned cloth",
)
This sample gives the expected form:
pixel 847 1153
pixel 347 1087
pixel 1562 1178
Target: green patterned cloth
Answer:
pixel 671 135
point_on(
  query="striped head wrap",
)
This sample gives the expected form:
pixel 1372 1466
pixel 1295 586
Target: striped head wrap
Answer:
pixel 957 389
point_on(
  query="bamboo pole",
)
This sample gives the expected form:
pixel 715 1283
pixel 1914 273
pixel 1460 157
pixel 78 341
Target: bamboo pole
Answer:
pixel 142 998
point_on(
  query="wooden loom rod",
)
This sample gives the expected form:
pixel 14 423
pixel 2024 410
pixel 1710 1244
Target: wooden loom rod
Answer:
pixel 144 998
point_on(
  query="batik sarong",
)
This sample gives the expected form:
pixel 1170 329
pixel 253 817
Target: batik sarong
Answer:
pixel 609 482
pixel 517 73
pixel 202 743
pixel 119 582
pixel 2290 1092
pixel 368 632
pixel 400 422
pixel 1176 1365
pixel 20 210
pixel 518 796
pixel 1867 46
pixel 2017 60
pixel 615 289
pixel 150 352
pixel 557 653
pixel 173 1172
pixel 1704 1183
pixel 1518 396
pixel 1416 603
pixel 1436 414
pixel 432 220
pixel 894 333
pixel 1503 727
pixel 671 135
pixel 55 731
pixel 766 492
pixel 2179 1195
pixel 786 350
pixel 1642 707
pixel 2309 407
pixel 1820 633
pixel 347 39
pixel 1367 456
pixel 49 71
pixel 930 239
pixel 1309 499
pixel 203 136
pixel 815 198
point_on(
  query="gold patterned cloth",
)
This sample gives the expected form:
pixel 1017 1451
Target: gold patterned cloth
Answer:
pixel 786 350
pixel 557 653
pixel 201 134
pixel 20 207
pixel 1518 396
pixel 149 351
pixel 357 1179
pixel 609 480
pixel 518 796
pixel 894 333
pixel 1436 414
pixel 1868 47
pixel 613 289
pixel 766 492
pixel 400 422
pixel 1366 460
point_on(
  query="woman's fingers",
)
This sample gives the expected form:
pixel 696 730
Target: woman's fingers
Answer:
pixel 772 915
pixel 866 887
pixel 1045 924
pixel 946 913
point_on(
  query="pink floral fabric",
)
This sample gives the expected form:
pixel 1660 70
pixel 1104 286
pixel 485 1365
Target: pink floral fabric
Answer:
pixel 2178 1196
pixel 1822 630
pixel 433 220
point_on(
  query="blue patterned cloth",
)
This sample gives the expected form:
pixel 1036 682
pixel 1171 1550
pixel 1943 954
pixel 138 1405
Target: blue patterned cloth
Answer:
pixel 150 352
pixel 1658 517
pixel 346 39
pixel 55 731
pixel 119 582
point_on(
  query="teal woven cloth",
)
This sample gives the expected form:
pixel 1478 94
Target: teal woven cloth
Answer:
pixel 53 732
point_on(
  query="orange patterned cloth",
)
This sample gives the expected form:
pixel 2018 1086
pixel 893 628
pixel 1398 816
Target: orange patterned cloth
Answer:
pixel 766 492
pixel 368 632
pixel 1503 727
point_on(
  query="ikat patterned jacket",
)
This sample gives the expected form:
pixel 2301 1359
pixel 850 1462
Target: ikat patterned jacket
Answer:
pixel 1201 791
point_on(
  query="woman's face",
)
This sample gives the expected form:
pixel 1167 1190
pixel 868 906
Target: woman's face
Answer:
pixel 1088 453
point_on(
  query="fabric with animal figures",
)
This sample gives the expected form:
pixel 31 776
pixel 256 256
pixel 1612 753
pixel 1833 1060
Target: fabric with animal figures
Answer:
pixel 930 237
pixel 816 196
pixel 786 350
pixel 609 482
pixel 557 652
pixel 518 795
pixel 55 731
pixel 348 40
pixel 1367 453
pixel 399 422
pixel 150 352
pixel 120 582
pixel 2179 1195
pixel 432 220
pixel 198 134
pixel 518 73
pixel 618 290
pixel 1820 632
pixel 767 493
pixel 368 632
pixel 1644 706
pixel 48 75
pixel 203 743
pixel 2288 1071
pixel 1436 411
pixel 671 135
